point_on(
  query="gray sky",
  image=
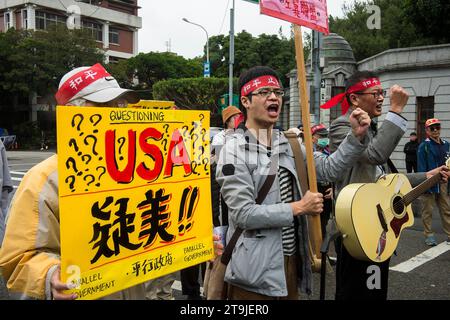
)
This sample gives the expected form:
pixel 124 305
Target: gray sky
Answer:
pixel 162 22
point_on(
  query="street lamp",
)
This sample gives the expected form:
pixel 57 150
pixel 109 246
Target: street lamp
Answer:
pixel 207 40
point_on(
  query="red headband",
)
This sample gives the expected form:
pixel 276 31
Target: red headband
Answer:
pixel 260 82
pixel 79 81
pixel 341 98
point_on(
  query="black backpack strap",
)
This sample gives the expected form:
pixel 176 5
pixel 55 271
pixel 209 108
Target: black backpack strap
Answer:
pixel 262 193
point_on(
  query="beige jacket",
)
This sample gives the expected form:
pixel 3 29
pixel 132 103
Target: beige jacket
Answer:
pixel 31 248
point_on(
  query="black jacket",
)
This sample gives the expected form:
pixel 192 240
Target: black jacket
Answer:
pixel 411 151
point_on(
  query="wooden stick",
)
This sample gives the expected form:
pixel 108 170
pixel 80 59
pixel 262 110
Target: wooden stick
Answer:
pixel 315 230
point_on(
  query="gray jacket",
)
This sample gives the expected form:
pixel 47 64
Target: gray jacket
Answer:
pixel 370 166
pixel 257 262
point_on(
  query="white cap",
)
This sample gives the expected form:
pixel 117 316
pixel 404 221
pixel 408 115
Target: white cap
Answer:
pixel 93 84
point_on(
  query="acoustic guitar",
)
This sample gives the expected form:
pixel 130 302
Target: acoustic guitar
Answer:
pixel 371 216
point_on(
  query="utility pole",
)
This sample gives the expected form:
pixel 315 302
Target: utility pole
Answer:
pixel 231 59
pixel 315 70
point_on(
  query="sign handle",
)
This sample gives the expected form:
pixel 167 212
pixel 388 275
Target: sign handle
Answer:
pixel 315 230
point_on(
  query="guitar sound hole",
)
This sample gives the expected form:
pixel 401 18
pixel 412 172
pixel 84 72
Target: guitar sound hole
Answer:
pixel 399 206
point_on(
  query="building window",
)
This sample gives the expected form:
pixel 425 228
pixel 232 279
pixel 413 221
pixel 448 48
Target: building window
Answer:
pixel 94 2
pixel 8 20
pixel 24 19
pixel 114 60
pixel 336 111
pixel 95 29
pixel 113 35
pixel 45 20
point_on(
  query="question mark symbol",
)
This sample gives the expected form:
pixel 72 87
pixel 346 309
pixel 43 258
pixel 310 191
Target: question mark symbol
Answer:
pixel 71 183
pixel 202 116
pixel 166 127
pixel 201 147
pixel 205 162
pixel 93 145
pixel 185 130
pixel 74 165
pixel 91 180
pixel 99 118
pixel 196 138
pixel 195 125
pixel 203 133
pixel 165 144
pixel 203 151
pixel 79 123
pixel 121 146
pixel 88 157
pixel 104 170
pixel 73 143
pixel 193 167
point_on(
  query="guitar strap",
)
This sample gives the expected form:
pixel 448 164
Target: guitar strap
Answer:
pixel 391 166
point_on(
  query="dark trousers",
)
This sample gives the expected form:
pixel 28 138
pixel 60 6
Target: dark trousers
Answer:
pixel 190 279
pixel 352 277
pixel 411 166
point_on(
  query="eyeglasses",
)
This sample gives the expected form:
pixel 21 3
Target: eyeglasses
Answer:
pixel 434 128
pixel 265 93
pixel 375 94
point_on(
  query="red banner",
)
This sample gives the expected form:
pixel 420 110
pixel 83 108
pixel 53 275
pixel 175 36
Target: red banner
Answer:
pixel 309 13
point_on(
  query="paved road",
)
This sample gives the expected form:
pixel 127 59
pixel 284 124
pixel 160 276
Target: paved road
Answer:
pixel 417 272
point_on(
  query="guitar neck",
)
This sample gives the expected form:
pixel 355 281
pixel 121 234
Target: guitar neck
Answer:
pixel 421 188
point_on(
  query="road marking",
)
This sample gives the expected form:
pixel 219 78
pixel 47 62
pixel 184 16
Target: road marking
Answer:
pixel 21 164
pixel 16 179
pixel 422 258
pixel 18 172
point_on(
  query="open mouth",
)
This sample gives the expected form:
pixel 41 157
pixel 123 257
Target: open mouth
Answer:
pixel 273 110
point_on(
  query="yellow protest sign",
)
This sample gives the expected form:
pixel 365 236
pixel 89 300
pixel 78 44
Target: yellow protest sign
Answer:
pixel 153 104
pixel 134 195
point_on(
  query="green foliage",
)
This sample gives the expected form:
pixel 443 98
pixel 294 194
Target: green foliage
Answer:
pixel 404 23
pixel 122 72
pixel 35 61
pixel 152 67
pixel 431 19
pixel 274 51
pixel 28 135
pixel 194 94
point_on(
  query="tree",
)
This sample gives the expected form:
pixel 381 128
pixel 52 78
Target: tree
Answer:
pixel 152 67
pixel 404 23
pixel 35 61
pixel 274 51
pixel 194 94
pixel 431 19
